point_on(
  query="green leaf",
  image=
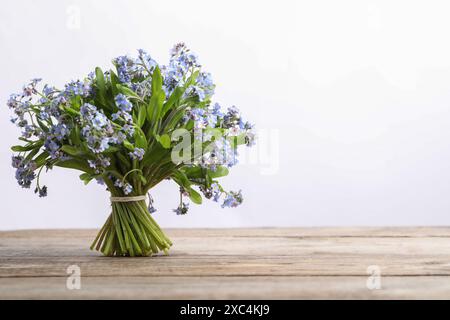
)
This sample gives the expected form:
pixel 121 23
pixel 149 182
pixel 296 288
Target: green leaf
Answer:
pixel 174 118
pixel 25 139
pixel 32 153
pixel 72 151
pixel 192 79
pixel 86 177
pixel 76 164
pixel 219 172
pixel 42 125
pixel 20 148
pixel 140 139
pixel 116 174
pixel 127 144
pixel 114 82
pixel 41 159
pixel 75 103
pixel 165 141
pixel 71 111
pixel 193 172
pixel 182 180
pixel 195 196
pixel 208 181
pixel 156 80
pixel 143 180
pixel 124 161
pixel 237 140
pixel 127 91
pixel 173 100
pixel 85 147
pixel 111 150
pixel 75 135
pixel 199 173
pixel 155 105
pixel 155 154
pixel 27 147
pixel 100 79
pixel 101 85
pixel 142 114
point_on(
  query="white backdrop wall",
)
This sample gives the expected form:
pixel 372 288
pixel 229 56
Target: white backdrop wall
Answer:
pixel 355 94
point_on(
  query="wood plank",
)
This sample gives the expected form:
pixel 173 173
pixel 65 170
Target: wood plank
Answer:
pixel 227 263
pixel 231 255
pixel 226 288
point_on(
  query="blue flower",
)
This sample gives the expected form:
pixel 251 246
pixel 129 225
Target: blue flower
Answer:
pixel 137 154
pixel 60 131
pixel 78 88
pixel 125 108
pixel 216 192
pixel 123 103
pixel 87 110
pixel 99 121
pixel 126 67
pixel 16 161
pixel 128 129
pixel 182 208
pixel 44 115
pixel 104 161
pixel 42 191
pixel 22 123
pixel 47 90
pixel 25 172
pixel 232 199
pixel 219 152
pixel 182 61
pixel 151 208
pixel 52 147
pixel 118 183
pixel 30 88
pixel 148 62
pixel 127 189
pixel 217 110
pixel 29 131
pixel 197 113
pixel 97 128
pixel 181 56
pixel 250 138
pixel 204 86
pixel 99 164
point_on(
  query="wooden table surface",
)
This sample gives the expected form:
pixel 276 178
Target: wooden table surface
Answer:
pixel 264 263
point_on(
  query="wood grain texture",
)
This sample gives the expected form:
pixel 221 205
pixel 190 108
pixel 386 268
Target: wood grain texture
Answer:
pixel 263 263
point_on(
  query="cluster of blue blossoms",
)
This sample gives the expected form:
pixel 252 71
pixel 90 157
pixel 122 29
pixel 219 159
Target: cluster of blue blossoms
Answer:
pixel 182 61
pixel 97 129
pixel 220 151
pixel 25 171
pixel 43 118
pixel 126 187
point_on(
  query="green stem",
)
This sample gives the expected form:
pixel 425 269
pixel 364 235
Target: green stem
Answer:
pixel 131 231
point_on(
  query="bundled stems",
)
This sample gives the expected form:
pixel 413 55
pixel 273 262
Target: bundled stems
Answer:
pixel 130 230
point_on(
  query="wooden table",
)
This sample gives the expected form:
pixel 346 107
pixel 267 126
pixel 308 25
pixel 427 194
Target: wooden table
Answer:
pixel 272 263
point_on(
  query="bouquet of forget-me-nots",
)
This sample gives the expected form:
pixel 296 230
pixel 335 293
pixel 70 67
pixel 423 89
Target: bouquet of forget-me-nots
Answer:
pixel 129 128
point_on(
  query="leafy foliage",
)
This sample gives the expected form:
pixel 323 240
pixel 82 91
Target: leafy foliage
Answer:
pixel 121 128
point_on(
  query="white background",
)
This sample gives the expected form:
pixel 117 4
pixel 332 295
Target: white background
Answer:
pixel 359 92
